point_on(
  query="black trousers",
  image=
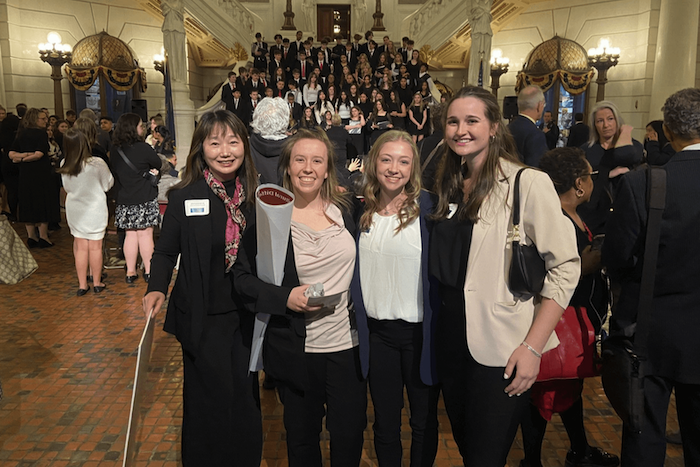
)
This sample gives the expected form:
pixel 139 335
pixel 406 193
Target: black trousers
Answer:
pixel 484 418
pixel 395 352
pixel 648 448
pixel 221 421
pixel 336 390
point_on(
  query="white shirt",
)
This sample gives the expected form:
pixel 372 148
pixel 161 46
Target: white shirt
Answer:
pixel 390 270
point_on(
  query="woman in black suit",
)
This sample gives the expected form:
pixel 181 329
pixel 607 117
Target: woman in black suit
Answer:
pixel 206 217
pixel 611 151
pixel 391 292
pixel 317 356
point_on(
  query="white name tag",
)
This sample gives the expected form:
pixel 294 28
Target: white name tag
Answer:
pixel 196 207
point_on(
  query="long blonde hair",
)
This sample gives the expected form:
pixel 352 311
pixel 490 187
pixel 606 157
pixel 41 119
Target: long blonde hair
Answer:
pixel 371 188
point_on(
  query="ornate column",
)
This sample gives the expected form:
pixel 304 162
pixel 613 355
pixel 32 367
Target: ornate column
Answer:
pixel 479 16
pixel 675 64
pixel 378 16
pixel 289 18
pixel 174 42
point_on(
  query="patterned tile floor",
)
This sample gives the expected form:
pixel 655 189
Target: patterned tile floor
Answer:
pixel 67 366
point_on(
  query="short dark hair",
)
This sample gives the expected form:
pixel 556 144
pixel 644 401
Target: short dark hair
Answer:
pixel 578 117
pixel 231 73
pixel 682 113
pixel 257 34
pixel 278 36
pixel 564 166
pixel 106 117
pixel 71 112
pixel 367 34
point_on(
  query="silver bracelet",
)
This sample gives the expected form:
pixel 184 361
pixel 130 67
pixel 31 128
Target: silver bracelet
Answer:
pixel 531 349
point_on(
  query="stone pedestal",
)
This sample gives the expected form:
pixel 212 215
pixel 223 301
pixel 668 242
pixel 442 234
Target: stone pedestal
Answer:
pixel 676 51
pixel 184 112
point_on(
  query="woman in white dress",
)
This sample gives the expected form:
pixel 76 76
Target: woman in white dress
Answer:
pixel 86 180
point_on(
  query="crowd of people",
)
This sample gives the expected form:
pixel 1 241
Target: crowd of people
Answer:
pixel 416 241
pixel 93 172
pixel 332 79
pixel 425 306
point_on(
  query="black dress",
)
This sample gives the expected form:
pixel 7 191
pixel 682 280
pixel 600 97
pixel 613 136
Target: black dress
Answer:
pixel 37 183
pixel 417 116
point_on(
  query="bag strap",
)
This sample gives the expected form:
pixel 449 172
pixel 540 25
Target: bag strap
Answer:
pixel 128 162
pixel 431 155
pixel 656 196
pixel 516 198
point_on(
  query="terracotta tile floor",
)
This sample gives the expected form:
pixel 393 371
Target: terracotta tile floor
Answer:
pixel 67 363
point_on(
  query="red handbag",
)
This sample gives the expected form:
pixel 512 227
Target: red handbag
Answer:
pixel 574 357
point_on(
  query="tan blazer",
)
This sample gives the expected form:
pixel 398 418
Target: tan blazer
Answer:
pixel 498 321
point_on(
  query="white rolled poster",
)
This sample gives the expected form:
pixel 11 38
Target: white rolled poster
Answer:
pixel 273 211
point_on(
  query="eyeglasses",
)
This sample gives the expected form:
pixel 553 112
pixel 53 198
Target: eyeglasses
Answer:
pixel 593 174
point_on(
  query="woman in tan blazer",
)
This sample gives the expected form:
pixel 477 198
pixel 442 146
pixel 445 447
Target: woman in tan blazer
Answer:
pixel 489 338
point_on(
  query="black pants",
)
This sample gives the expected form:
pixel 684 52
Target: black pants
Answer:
pixel 484 419
pixel 336 390
pixel 648 448
pixel 221 421
pixel 395 352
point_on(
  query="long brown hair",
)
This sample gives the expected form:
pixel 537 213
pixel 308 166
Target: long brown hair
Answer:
pixel 77 151
pixel 212 123
pixel 371 188
pixel 329 189
pixel 449 179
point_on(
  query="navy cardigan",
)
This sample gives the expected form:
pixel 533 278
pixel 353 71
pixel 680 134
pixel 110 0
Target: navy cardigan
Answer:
pixel 428 371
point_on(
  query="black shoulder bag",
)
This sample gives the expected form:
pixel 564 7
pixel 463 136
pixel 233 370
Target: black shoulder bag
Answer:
pixel 147 175
pixel 624 359
pixel 527 269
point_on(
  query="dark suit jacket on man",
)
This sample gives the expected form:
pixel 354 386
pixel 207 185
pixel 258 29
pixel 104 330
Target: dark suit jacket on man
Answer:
pixel 578 135
pixel 529 139
pixel 673 346
pixel 227 96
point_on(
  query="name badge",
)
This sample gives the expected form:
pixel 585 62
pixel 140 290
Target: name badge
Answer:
pixel 196 207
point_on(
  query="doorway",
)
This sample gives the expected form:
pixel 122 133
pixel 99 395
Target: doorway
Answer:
pixel 332 20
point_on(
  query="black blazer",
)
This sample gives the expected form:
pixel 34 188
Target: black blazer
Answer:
pixel 578 135
pixel 675 320
pixel 428 371
pixel 283 347
pixel 227 96
pixel 190 237
pixel 530 141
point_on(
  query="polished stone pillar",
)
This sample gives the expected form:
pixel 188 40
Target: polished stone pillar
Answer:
pixel 676 51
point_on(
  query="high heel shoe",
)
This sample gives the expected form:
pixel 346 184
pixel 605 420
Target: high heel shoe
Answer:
pixel 146 277
pixel 99 288
pixel 44 244
pixel 131 279
pixel 82 292
pixel 31 243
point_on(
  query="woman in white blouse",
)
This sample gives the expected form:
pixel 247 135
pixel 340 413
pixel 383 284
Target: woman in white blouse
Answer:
pixel 86 179
pixel 310 91
pixel 322 106
pixel 313 353
pixel 392 290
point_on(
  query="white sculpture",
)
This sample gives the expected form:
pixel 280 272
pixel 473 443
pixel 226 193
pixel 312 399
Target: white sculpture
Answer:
pixel 308 7
pixel 358 23
pixel 174 39
pixel 480 21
